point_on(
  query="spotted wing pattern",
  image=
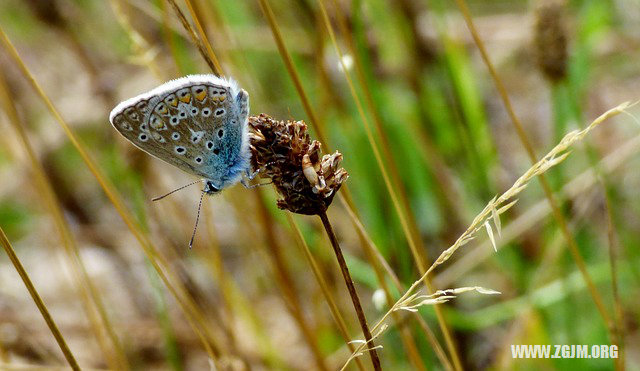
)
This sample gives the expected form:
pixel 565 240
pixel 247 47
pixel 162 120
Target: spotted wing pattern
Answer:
pixel 183 125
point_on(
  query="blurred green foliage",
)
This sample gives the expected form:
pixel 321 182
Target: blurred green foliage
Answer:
pixel 436 102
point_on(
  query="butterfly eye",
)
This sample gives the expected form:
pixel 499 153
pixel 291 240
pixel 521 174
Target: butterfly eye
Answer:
pixel 183 114
pixel 174 121
pixel 194 111
pixel 206 112
pixel 198 160
pixel 180 150
pixel 175 136
pixel 210 188
pixel 143 137
pixel 220 133
pixel 209 145
pixel 220 112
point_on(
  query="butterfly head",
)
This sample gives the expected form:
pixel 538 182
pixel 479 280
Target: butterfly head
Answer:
pixel 210 188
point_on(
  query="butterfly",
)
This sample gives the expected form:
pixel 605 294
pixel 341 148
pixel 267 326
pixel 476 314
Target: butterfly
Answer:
pixel 198 123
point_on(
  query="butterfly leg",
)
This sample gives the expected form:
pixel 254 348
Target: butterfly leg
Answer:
pixel 251 174
pixel 245 183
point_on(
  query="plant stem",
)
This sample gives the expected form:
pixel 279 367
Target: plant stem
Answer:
pixel 331 301
pixel 194 315
pixel 207 54
pixel 286 282
pixel 553 202
pixel 352 290
pixel 38 300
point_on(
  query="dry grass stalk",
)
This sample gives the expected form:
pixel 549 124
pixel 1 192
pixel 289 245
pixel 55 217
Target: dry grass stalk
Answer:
pixel 505 201
pixel 396 192
pixel 286 281
pixel 324 287
pixel 193 314
pixel 288 62
pixel 379 264
pixel 207 53
pixel 414 301
pixel 319 128
pixel 38 300
pixel 92 301
pixel 283 152
pixel 534 214
pixel 526 143
pixel 210 57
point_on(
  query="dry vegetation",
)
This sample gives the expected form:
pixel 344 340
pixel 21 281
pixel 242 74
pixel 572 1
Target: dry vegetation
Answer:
pixel 437 108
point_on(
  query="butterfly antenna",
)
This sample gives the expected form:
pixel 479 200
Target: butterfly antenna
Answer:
pixel 195 227
pixel 176 190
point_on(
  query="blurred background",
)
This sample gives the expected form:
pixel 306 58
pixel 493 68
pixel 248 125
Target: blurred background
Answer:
pixel 114 268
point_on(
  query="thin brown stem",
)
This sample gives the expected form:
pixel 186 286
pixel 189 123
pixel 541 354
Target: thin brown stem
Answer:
pixel 194 315
pixel 204 40
pixel 333 307
pixel 4 357
pixel 379 264
pixel 352 290
pixel 213 63
pixel 526 143
pixel 405 216
pixel 618 328
pixel 97 316
pixel 499 204
pixel 286 282
pixel 38 300
pixel 288 62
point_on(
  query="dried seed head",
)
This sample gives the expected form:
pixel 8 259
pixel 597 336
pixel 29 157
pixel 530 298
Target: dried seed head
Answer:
pixel 47 12
pixel 551 39
pixel 283 151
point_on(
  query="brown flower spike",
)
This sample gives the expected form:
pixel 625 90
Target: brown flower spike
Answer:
pixel 284 152
pixel 307 183
pixel 551 39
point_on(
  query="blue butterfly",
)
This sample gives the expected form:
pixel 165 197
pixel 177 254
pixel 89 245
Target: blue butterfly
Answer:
pixel 198 123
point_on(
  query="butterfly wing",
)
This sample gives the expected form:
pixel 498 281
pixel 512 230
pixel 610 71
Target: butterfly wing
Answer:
pixel 196 123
